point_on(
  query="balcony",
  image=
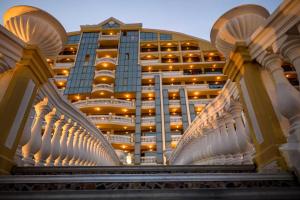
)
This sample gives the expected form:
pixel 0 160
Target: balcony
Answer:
pixel 148 140
pixel 120 139
pixel 106 60
pixel 67 65
pixel 60 78
pixel 147 88
pixel 105 102
pixel 175 120
pixel 104 73
pixel 174 103
pixel 112 119
pixel 105 52
pixel 148 104
pixel 148 121
pixel 109 37
pixel 175 138
pixel 198 102
pixel 149 62
pixel 197 87
pixel 148 160
pixel 103 87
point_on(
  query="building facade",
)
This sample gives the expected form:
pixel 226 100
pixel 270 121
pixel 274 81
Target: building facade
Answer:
pixel 141 87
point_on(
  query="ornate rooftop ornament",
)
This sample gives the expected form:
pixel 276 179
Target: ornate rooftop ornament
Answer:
pixel 36 27
pixel 236 25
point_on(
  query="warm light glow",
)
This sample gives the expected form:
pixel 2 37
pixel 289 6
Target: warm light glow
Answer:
pixel 124 110
pixel 174 95
pixel 174 110
pixel 71 48
pixel 177 126
pixel 150 80
pixel 211 54
pixel 77 97
pixel 104 64
pixel 191 66
pixel 107 56
pixel 48 60
pixel 195 97
pixel 110 33
pixel 196 93
pixel 149 68
pixel 98 109
pixel 188 43
pixel 170 67
pixel 218 78
pixel 127 95
pixel 194 79
pixel 60 83
pixel 101 93
pixel 150 98
pixel 214 65
pixel 149 95
pixel 125 127
pixel 148 45
pixel 169 44
pixel 170 55
pixel 150 146
pixel 123 146
pixel 149 111
pixel 65 71
pixel 287 75
pixel 103 79
pixel 190 54
pixel 172 79
pixel 68 59
pixel 149 56
pixel 199 109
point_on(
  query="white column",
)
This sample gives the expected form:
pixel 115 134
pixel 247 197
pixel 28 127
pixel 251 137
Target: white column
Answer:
pixel 45 150
pixel 63 143
pixel 55 144
pixel 70 151
pixel 35 141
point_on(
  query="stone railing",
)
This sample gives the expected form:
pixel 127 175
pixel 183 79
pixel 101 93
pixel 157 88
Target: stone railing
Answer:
pixel 200 101
pixel 112 119
pixel 148 160
pixel 63 65
pixel 148 139
pixel 176 120
pixel 175 138
pixel 218 134
pixel 103 86
pixel 75 140
pixel 105 102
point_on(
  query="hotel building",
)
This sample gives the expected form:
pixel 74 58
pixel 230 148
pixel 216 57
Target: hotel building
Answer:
pixel 141 87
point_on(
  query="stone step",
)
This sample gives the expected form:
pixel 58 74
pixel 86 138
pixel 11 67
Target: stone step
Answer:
pixel 134 169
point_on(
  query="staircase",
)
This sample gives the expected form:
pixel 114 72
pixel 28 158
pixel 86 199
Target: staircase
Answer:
pixel 147 182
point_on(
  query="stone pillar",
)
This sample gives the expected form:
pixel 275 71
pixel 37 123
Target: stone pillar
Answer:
pixel 35 141
pixel 45 150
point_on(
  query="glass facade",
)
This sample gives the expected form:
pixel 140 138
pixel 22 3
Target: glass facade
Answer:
pixel 164 36
pixel 73 39
pixel 128 70
pixel 148 36
pixel 81 76
pixel 158 120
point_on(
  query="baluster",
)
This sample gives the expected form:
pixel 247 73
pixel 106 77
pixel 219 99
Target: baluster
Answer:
pixel 63 143
pixel 55 144
pixel 70 151
pixel 45 150
pixel 35 141
pixel 84 146
pixel 75 147
pixel 80 148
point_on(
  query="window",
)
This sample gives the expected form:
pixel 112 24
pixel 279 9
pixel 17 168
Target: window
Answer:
pixel 164 36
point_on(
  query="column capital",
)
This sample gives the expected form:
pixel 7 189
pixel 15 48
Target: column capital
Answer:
pixel 290 47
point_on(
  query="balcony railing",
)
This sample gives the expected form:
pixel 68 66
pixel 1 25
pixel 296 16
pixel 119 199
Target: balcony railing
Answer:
pixel 149 62
pixel 148 139
pixel 108 73
pixel 174 103
pixel 200 101
pixel 175 138
pixel 148 121
pixel 148 160
pixel 121 139
pixel 63 65
pixel 112 119
pixel 148 104
pixel 60 78
pixel 176 120
pixel 106 60
pixel 102 86
pixel 148 88
pixel 104 102
pixel 109 37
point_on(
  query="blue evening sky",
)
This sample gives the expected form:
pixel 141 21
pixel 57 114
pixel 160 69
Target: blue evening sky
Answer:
pixel 193 17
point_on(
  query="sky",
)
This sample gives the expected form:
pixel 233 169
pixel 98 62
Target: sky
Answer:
pixel 193 17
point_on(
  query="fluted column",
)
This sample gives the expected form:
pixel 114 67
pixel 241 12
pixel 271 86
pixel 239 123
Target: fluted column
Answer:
pixel 45 150
pixel 290 48
pixel 55 144
pixel 63 143
pixel 70 151
pixel 35 141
